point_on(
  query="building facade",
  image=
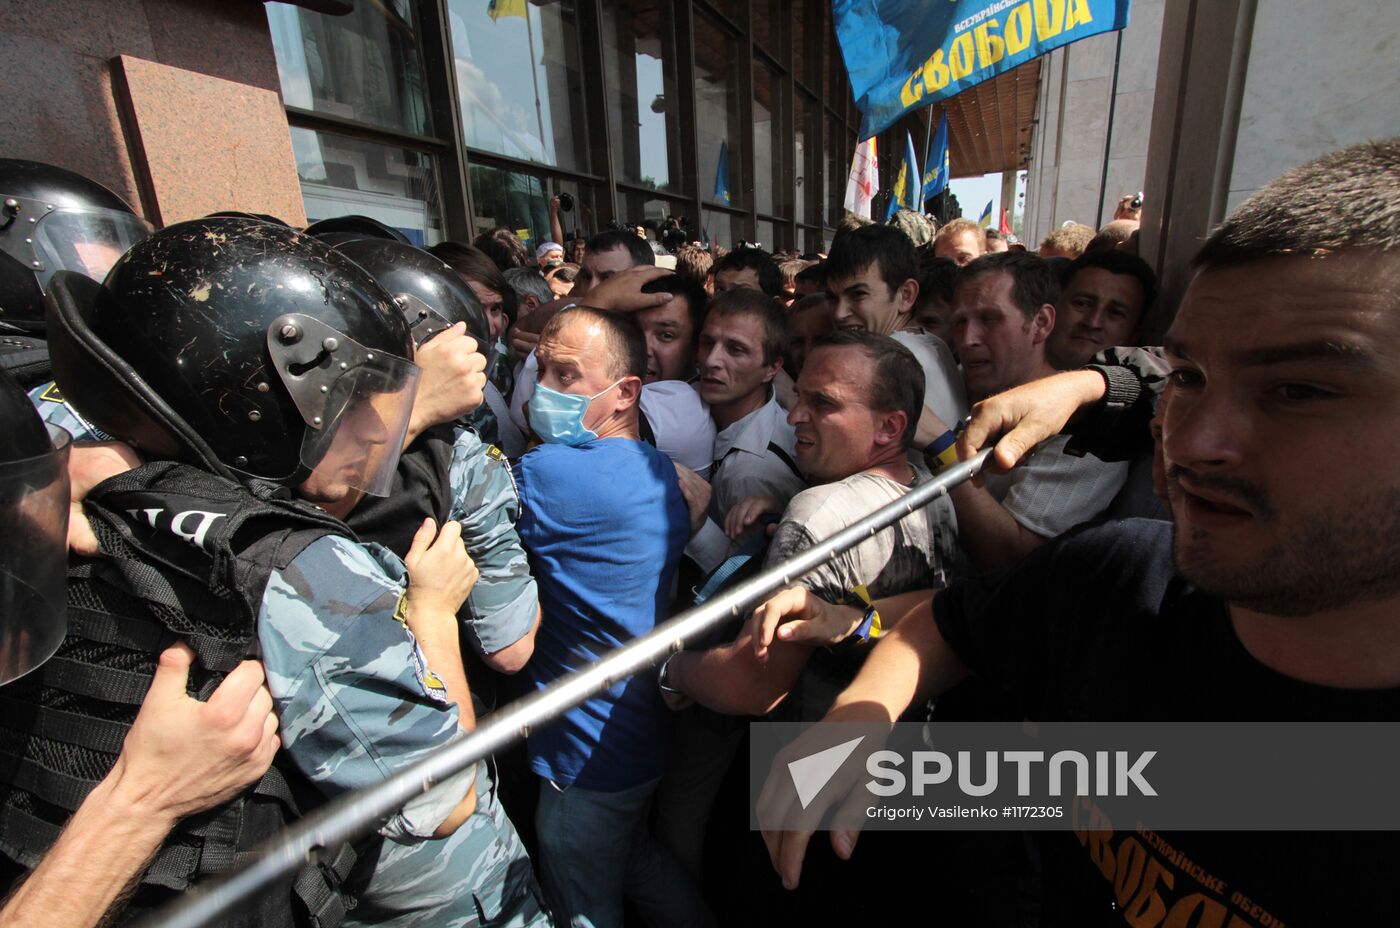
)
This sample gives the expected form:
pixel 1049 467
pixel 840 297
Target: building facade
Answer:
pixel 447 117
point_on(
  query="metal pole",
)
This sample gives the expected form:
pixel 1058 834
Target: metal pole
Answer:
pixel 353 814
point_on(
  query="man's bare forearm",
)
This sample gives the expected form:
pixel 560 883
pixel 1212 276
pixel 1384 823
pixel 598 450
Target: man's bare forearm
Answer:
pixel 988 532
pixel 911 664
pixel 102 851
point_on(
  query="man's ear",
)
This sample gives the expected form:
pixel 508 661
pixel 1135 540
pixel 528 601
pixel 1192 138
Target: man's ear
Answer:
pixel 1042 323
pixel 773 369
pixel 889 428
pixel 906 296
pixel 629 393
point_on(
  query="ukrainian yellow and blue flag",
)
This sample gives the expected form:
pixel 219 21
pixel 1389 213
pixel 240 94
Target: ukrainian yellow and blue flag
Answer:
pixel 985 220
pixel 498 8
pixel 906 181
pixel 722 175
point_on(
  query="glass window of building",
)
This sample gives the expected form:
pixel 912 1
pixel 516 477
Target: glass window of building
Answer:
pixel 721 155
pixel 801 67
pixel 519 201
pixel 643 97
pixel 770 193
pixel 836 88
pixel 802 106
pixel 518 75
pixel 729 8
pixel 724 229
pixel 766 235
pixel 638 208
pixel 342 176
pixel 768 31
pixel 363 66
pixel 838 168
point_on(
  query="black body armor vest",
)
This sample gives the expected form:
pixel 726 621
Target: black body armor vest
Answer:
pixel 189 556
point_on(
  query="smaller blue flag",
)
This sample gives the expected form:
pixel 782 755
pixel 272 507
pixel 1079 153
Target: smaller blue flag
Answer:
pixel 906 181
pixel 722 175
pixel 985 220
pixel 937 166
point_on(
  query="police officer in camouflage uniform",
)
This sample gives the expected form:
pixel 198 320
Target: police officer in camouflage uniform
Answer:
pixel 269 361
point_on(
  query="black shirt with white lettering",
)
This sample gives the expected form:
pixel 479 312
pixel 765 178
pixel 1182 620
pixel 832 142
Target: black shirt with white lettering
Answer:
pixel 1097 626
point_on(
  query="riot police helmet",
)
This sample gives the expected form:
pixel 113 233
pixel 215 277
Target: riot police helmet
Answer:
pixel 52 219
pixel 431 294
pixel 250 349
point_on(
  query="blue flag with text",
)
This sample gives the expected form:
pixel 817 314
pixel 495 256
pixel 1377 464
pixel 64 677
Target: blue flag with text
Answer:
pixel 905 54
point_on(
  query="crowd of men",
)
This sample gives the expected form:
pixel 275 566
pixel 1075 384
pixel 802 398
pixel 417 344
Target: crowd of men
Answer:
pixel 334 497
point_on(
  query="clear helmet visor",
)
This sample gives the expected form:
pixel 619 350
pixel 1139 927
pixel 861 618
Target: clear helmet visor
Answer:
pixel 88 241
pixel 33 558
pixel 355 402
pixel 366 420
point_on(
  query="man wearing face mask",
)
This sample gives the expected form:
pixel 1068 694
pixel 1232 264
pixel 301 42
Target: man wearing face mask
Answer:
pixel 604 524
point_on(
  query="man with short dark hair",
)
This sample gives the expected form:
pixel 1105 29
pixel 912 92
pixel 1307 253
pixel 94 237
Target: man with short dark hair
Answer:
pixel 1003 313
pixel 748 267
pixel 872 273
pixel 673 329
pixel 1104 297
pixel 1280 588
pixel 603 523
pixel 859 396
pixel 607 253
pixel 741 351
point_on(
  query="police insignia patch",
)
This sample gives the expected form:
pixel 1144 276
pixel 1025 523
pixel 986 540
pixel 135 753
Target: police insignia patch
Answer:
pixel 52 394
pixel 401 610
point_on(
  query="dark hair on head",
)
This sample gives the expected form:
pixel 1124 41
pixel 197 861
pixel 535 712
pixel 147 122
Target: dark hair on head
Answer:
pixel 897 383
pixel 565 272
pixel 1033 283
pixel 696 299
pixel 884 246
pixel 1116 262
pixel 745 302
pixel 694 262
pixel 937 281
pixel 813 273
pixel 474 264
pixel 770 279
pixel 804 303
pixel 1349 199
pixel 1058 264
pixel 638 251
pixel 503 247
pixel 623 338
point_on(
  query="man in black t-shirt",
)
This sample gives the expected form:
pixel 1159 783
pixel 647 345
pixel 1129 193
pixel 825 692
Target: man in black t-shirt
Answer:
pixel 1275 596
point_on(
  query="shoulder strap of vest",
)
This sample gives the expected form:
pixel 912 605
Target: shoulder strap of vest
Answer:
pixel 786 458
pixel 644 430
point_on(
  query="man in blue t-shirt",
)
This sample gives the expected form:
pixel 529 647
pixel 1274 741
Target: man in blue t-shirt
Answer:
pixel 604 524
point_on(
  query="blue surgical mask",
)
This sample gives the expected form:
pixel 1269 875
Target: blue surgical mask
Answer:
pixel 558 417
